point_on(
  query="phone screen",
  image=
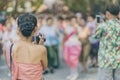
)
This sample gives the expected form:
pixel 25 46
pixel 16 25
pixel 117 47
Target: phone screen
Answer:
pixel 98 17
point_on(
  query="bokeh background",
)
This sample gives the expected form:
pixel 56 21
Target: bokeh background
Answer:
pixel 84 10
pixel 15 7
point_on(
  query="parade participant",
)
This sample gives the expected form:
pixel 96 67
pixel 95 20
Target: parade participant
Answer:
pixel 91 24
pixel 84 38
pixel 51 44
pixel 7 35
pixel 72 48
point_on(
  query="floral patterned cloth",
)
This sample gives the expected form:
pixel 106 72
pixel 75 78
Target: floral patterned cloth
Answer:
pixel 109 51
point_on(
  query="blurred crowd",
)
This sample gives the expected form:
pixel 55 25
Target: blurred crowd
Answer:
pixel 68 37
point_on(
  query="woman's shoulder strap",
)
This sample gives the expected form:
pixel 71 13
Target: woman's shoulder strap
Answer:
pixel 11 56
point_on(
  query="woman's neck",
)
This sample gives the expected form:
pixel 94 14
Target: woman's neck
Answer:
pixel 26 39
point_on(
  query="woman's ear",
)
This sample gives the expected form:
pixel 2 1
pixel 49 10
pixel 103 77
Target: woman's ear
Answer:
pixel 35 30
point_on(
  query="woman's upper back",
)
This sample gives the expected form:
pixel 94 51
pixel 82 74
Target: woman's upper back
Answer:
pixel 28 53
pixel 27 61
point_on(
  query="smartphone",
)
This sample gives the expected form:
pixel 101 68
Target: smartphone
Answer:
pixel 98 18
pixel 38 39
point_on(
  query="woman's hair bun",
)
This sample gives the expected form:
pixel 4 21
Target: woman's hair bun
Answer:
pixel 27 23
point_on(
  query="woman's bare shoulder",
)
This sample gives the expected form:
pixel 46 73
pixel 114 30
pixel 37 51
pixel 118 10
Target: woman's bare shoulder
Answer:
pixel 41 48
pixel 17 45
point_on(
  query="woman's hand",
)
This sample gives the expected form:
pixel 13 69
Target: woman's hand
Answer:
pixel 42 39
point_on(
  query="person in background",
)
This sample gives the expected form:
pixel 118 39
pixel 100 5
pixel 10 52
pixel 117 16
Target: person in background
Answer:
pixel 51 44
pixel 7 35
pixel 28 59
pixel 119 17
pixel 60 28
pixel 40 22
pixel 66 23
pixel 1 26
pixel 2 23
pixel 84 38
pixel 79 17
pixel 60 24
pixel 72 48
pixel 94 42
pixel 109 51
pixel 1 35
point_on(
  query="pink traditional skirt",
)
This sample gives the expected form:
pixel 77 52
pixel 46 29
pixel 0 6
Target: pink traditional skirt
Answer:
pixel 71 55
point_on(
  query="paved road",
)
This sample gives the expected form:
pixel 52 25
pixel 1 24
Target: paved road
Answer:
pixel 59 74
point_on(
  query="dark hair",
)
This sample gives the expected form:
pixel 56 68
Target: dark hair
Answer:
pixel 67 18
pixel 27 23
pixel 113 9
pixel 73 17
pixel 60 18
pixel 91 15
pixel 49 18
pixel 41 17
pixel 2 21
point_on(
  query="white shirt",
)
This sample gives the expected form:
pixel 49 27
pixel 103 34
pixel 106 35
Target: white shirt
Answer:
pixel 50 35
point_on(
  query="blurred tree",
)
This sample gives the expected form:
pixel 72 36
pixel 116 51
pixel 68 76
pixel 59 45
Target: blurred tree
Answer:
pixel 93 6
pixel 14 7
pixel 76 5
pixel 3 4
pixel 114 1
pixel 82 5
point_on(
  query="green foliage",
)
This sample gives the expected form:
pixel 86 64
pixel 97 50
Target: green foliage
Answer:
pixel 4 4
pixel 86 5
pixel 76 5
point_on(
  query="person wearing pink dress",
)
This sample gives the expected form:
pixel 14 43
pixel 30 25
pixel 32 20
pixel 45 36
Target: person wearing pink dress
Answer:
pixel 72 48
pixel 28 59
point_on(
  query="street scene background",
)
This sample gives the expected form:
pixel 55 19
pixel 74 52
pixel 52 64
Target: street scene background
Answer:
pixel 63 23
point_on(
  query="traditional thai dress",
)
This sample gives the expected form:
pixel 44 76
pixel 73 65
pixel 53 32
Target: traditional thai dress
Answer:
pixel 72 47
pixel 23 71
